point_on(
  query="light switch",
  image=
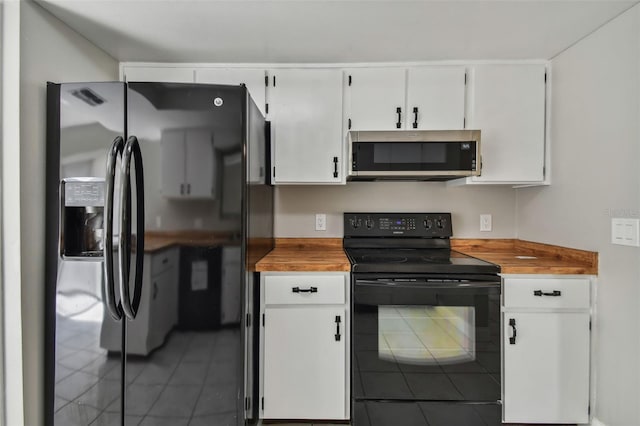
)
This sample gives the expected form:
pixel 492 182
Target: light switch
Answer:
pixel 625 232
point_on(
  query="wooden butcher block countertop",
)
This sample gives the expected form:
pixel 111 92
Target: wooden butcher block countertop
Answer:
pixel 305 255
pixel 526 257
pixel 513 256
pixel 159 240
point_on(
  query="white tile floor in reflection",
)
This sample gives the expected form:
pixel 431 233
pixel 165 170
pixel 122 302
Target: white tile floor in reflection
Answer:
pixel 190 381
pixel 426 334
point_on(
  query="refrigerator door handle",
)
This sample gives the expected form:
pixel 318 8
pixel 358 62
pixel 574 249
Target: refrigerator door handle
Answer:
pixel 109 279
pixel 131 149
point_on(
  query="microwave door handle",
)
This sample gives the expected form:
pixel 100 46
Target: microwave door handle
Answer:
pixel 131 150
pixel 109 280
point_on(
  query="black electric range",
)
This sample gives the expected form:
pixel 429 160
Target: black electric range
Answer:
pixel 406 243
pixel 425 344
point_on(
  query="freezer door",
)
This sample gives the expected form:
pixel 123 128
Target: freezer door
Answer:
pixel 83 362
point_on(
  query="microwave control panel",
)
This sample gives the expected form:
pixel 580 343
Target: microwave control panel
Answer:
pixel 421 225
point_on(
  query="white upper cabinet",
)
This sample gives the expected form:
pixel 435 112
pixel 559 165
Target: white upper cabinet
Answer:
pixel 435 98
pixel 373 97
pixel 424 98
pixel 507 104
pixel 253 78
pixel 159 74
pixel 305 108
pixel 188 164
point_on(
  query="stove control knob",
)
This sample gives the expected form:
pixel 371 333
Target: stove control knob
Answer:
pixel 369 223
pixel 439 223
pixel 355 223
pixel 427 224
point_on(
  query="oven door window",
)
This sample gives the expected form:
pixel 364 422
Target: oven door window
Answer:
pixel 425 343
pixel 427 335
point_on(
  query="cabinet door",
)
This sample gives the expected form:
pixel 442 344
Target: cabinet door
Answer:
pixel 231 286
pixel 159 289
pixel 304 373
pixel 373 97
pixel 508 106
pixel 251 77
pixel 162 74
pixel 546 371
pixel 436 95
pixel 164 292
pixel 306 111
pixel 200 164
pixel 173 161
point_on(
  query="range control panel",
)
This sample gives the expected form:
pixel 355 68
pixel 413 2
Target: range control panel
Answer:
pixel 425 225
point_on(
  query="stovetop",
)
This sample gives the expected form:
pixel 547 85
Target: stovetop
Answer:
pixel 412 243
pixel 398 260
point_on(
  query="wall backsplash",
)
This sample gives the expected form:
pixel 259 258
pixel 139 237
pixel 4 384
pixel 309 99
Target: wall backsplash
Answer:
pixel 296 206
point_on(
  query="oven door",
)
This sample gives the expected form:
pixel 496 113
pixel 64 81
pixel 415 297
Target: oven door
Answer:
pixel 428 338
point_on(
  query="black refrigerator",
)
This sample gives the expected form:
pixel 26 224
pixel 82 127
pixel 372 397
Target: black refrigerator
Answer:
pixel 158 203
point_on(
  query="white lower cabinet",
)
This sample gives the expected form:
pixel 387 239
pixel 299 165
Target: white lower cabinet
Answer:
pixel 304 346
pixel 546 345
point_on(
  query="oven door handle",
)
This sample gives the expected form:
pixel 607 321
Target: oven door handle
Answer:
pixel 426 284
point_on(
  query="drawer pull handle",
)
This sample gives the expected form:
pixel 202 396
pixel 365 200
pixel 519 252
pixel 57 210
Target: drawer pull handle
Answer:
pixel 305 290
pixel 338 319
pixel 512 324
pixel 540 293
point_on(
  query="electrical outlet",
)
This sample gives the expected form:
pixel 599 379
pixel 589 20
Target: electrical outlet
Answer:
pixel 197 223
pixel 321 222
pixel 625 232
pixel 158 221
pixel 485 222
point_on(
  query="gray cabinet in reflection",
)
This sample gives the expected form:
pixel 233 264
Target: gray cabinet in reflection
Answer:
pixel 188 164
pixel 158 312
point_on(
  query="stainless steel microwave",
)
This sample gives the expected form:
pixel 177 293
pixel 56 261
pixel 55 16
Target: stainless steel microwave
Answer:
pixel 414 155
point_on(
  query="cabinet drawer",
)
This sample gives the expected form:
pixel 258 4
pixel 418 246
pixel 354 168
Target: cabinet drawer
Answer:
pixel 567 293
pixel 304 289
pixel 163 260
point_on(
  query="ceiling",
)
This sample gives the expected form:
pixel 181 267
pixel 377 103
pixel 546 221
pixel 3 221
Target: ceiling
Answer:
pixel 319 31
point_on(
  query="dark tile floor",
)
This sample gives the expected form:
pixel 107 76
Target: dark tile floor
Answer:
pixel 189 381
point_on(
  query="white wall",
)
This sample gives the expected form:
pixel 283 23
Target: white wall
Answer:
pixel 49 51
pixel 296 206
pixel 596 175
pixel 2 373
pixel 12 335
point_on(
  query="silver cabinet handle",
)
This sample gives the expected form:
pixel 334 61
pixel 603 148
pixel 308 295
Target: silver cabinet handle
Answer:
pixel 131 149
pixel 109 282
